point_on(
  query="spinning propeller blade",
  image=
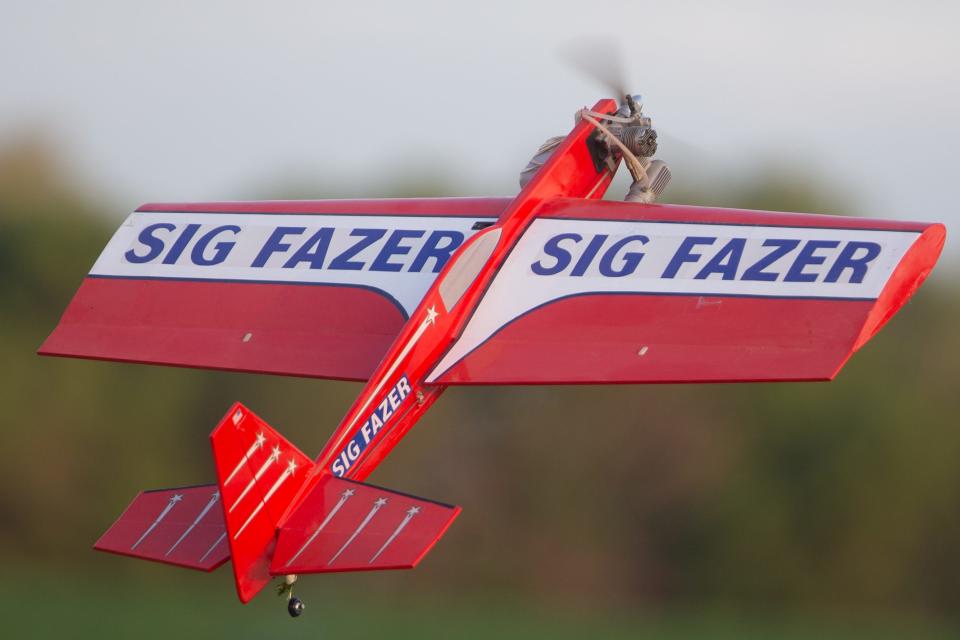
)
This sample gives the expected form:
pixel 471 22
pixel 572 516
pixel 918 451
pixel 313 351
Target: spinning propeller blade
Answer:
pixel 600 60
pixel 603 60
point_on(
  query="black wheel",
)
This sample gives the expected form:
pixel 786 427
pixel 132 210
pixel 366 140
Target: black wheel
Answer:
pixel 295 607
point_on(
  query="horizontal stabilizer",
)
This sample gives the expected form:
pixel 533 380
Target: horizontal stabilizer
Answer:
pixel 182 526
pixel 343 525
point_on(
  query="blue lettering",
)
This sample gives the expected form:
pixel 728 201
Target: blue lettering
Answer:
pixel 630 259
pixel 808 258
pixel 589 254
pixel 392 247
pixel 147 239
pixel 313 250
pixel 275 244
pixel 367 238
pixel 684 254
pixel 368 431
pixel 780 249
pixel 185 237
pixel 433 249
pixel 725 262
pixel 848 260
pixel 553 249
pixel 220 250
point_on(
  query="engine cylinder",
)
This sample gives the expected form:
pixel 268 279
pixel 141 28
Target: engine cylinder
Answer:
pixel 642 141
pixel 658 177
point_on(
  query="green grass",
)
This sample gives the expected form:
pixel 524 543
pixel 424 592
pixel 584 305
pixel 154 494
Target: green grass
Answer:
pixel 156 604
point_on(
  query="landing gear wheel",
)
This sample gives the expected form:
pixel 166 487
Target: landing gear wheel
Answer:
pixel 295 607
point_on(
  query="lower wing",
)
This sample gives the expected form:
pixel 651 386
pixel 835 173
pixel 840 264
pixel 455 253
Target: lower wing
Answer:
pixel 606 292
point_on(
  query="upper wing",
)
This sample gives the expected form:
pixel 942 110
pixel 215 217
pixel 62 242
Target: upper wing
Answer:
pixel 622 292
pixel 301 288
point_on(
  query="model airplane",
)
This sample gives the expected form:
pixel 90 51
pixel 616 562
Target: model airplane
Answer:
pixel 554 286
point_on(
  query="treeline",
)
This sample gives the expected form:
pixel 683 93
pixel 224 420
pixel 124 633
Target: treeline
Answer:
pixel 780 494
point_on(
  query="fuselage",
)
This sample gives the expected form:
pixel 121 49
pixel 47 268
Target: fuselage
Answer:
pixel 396 396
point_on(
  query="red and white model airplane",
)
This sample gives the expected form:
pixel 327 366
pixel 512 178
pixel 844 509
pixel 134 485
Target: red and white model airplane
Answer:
pixel 554 286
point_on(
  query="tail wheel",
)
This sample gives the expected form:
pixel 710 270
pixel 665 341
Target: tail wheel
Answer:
pixel 295 607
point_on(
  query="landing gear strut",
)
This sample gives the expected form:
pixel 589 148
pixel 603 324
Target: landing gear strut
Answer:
pixel 295 605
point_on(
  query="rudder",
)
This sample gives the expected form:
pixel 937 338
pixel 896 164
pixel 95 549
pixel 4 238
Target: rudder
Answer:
pixel 259 473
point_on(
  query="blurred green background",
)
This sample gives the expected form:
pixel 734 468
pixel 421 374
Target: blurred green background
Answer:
pixel 827 510
pixel 792 510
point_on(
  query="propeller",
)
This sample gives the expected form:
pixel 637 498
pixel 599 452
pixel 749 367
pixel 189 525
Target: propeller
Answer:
pixel 601 59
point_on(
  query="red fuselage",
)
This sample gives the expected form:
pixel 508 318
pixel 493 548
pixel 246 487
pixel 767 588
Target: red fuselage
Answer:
pixel 396 395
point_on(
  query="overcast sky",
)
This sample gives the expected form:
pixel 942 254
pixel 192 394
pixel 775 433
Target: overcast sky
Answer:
pixel 215 100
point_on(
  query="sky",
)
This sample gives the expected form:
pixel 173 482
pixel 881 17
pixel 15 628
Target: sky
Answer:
pixel 220 100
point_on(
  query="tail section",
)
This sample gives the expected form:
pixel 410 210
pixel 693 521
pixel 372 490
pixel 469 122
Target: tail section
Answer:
pixel 259 473
pixel 273 515
pixel 343 525
pixel 182 526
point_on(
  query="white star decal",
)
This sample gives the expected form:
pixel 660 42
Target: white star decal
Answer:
pixel 348 493
pixel 431 315
pixel 413 511
pixel 176 498
pixel 276 454
pixel 380 502
pixel 291 466
pixel 261 439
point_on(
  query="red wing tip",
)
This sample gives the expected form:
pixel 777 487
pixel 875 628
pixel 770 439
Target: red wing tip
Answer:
pixel 44 350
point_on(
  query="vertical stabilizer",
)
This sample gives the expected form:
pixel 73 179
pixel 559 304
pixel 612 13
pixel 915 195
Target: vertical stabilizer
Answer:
pixel 259 473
